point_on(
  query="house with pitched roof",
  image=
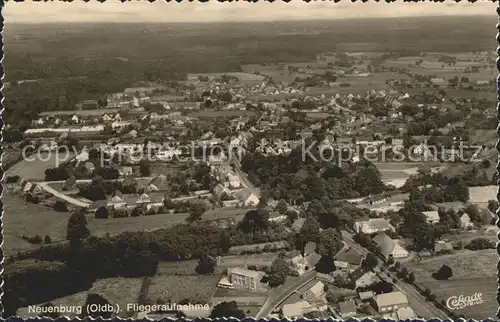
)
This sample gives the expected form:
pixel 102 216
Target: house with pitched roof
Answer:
pixel 247 198
pixel 373 226
pixel 363 278
pixel 348 259
pixel 466 222
pixel 390 248
pixel 315 293
pixel 389 302
pixel 347 309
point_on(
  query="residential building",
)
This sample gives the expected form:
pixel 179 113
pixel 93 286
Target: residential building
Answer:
pixel 277 217
pixel 405 314
pixel 373 226
pixel 315 293
pixel 363 278
pixel 233 181
pixel 363 296
pixel 324 277
pixel 390 247
pixel 245 278
pixel 347 309
pixel 143 199
pixel 348 257
pixel 466 222
pixel 442 246
pixel 298 309
pixel 297 224
pixel 247 198
pixel 432 217
pixel 389 302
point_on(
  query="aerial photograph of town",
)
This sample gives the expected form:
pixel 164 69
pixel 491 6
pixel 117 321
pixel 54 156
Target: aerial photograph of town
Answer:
pixel 286 160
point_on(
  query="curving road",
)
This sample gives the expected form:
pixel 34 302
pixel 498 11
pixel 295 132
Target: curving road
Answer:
pixel 283 292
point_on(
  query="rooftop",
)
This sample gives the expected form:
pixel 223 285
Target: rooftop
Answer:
pixel 389 299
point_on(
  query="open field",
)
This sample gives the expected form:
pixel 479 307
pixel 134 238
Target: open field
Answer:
pixel 392 166
pixel 195 288
pixel 473 272
pixel 24 218
pixel 216 114
pixel 483 194
pixel 273 71
pixel 35 169
pixel 149 223
pixel 241 76
pixel 490 95
pixel 97 112
pixel 187 267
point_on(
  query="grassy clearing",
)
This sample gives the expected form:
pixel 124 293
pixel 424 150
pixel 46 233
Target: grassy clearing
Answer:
pixel 24 218
pixel 177 288
pixel 241 76
pixel 116 290
pixel 35 169
pixel 396 165
pixel 113 226
pixel 472 272
pixel 97 112
pixel 394 175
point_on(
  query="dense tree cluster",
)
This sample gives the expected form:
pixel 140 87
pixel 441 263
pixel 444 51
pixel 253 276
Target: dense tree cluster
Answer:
pixel 296 180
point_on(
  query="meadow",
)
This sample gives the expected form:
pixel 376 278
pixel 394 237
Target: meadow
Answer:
pixel 473 272
pixel 33 168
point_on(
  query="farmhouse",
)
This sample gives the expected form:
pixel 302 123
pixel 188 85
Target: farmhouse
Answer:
pixel 390 247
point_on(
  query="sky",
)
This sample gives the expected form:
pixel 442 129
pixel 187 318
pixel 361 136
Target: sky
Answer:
pixel 159 11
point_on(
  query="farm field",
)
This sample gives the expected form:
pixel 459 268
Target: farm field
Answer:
pixel 187 267
pixel 195 288
pixel 241 76
pixel 273 71
pixel 483 194
pixel 393 166
pixel 35 169
pixel 100 227
pixel 473 272
pixel 490 95
pixel 96 112
pixel 112 289
pixel 24 218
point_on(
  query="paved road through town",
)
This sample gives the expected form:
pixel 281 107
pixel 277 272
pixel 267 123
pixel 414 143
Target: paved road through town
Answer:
pixel 243 178
pixel 279 295
pixel 417 301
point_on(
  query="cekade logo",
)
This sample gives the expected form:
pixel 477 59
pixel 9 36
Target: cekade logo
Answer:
pixel 460 302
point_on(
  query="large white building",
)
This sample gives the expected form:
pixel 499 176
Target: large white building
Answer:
pixel 245 278
pixel 390 302
pixel 373 226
